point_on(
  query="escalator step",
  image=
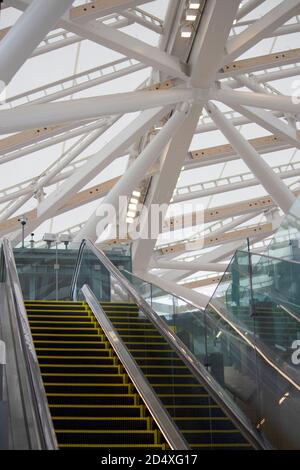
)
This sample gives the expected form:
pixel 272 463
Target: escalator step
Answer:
pixel 97 345
pixel 195 411
pixel 169 379
pixel 73 352
pixel 63 318
pixel 215 437
pixel 208 422
pixel 61 411
pixel 64 330
pixel 106 437
pixel 178 388
pixel 161 370
pixel 83 369
pixel 226 447
pixel 148 327
pixel 162 361
pixel 112 389
pixel 116 424
pixel 154 353
pixel 33 314
pixel 90 399
pixel 78 360
pixel 62 324
pixel 77 338
pixel 135 345
pixel 54 309
pixel 151 447
pixel 185 399
pixel 87 378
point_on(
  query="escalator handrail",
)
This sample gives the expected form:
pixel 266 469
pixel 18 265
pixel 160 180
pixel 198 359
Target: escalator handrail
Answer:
pixel 197 369
pixel 170 431
pixel 44 425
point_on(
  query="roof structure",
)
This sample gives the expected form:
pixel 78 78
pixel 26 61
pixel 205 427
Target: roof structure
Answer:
pixel 190 106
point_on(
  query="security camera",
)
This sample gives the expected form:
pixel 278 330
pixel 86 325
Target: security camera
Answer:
pixel 23 220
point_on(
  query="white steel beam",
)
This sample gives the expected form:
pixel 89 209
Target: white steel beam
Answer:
pixel 88 108
pixel 176 289
pixel 189 266
pixel 263 62
pixel 135 173
pixel 286 104
pixel 269 180
pixel 208 49
pixel 100 160
pixel 258 31
pixel 19 43
pixel 247 8
pixel 76 83
pixel 98 8
pixel 128 46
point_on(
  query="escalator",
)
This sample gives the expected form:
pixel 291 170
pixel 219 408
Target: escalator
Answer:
pixel 92 401
pixel 111 374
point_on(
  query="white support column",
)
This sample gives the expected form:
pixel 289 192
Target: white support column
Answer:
pixel 261 28
pixel 19 43
pixel 269 180
pixel 136 172
pixel 286 104
pixel 208 49
pixel 32 116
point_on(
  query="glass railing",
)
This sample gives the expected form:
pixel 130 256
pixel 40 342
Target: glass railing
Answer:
pixel 45 273
pixel 161 315
pixel 245 339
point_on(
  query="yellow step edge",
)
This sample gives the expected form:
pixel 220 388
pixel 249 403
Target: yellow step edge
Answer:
pixel 62 328
pixel 86 385
pixel 54 311
pixel 80 365
pixel 158 358
pixel 89 418
pixel 217 418
pixel 85 342
pixel 72 335
pixel 211 431
pixel 61 323
pixel 76 357
pixel 114 446
pixel 193 406
pixel 177 385
pixel 94 406
pixel 49 374
pixel 200 446
pixel 71 349
pixel 183 395
pixel 121 395
pixel 50 317
pixel 106 431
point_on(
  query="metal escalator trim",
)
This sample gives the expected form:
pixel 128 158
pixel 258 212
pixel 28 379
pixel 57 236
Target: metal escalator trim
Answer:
pixel 43 422
pixel 192 363
pixel 157 410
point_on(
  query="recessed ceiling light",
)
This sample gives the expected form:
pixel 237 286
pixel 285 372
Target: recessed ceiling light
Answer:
pixel 186 31
pixel 194 5
pixel 136 193
pixel 190 15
